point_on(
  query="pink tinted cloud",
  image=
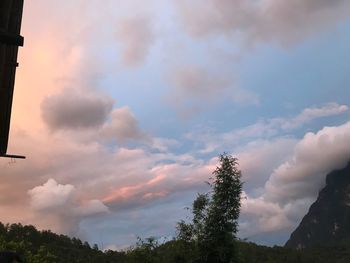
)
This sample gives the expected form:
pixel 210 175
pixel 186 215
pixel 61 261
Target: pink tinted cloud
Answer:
pixel 164 180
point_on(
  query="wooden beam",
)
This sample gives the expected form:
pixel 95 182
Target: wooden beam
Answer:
pixel 12 156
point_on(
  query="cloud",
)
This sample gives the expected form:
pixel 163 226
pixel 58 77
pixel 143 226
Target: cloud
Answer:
pixel 122 127
pixel 162 180
pixel 136 37
pixel 124 179
pixel 133 179
pixel 75 110
pixel 294 184
pixel 92 207
pixel 50 195
pixel 91 116
pixel 211 141
pixel 314 156
pixel 258 159
pixel 266 216
pixel 164 144
pixel 284 22
pixel 58 203
pixel 194 88
pixel 310 114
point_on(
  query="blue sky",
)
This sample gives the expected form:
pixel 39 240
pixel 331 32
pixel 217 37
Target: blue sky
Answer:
pixel 130 104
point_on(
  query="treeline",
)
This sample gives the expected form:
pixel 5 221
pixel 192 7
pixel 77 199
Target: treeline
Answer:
pixel 46 247
pixel 252 253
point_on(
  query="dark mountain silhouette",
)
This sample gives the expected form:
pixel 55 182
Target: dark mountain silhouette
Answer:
pixel 328 219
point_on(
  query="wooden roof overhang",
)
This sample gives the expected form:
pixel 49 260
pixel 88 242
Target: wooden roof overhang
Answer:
pixel 10 40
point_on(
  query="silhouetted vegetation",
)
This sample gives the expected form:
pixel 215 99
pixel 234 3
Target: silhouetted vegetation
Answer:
pixel 46 247
pixel 213 229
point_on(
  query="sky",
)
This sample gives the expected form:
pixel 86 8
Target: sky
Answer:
pixel 122 108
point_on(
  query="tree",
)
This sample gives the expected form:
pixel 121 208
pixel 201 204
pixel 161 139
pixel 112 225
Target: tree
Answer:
pixel 44 256
pixel 215 215
pixel 145 251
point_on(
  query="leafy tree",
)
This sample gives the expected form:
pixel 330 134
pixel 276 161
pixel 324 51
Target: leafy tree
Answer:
pixel 145 251
pixel 214 224
pixel 44 256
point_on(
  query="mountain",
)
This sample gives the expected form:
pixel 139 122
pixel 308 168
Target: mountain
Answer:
pixel 328 219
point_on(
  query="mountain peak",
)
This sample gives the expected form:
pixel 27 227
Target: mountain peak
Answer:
pixel 328 219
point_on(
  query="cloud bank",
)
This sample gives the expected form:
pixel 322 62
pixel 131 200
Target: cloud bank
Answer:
pixel 268 128
pixel 294 185
pixel 284 22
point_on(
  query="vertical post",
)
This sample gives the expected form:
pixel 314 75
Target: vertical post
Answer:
pixel 10 39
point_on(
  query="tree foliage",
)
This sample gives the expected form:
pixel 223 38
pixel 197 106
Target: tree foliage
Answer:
pixel 46 247
pixel 214 224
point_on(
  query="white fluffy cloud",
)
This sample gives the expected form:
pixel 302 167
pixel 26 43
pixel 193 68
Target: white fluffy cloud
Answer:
pixel 258 159
pixel 53 202
pixel 51 195
pixel 314 156
pixel 294 184
pixel 265 216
